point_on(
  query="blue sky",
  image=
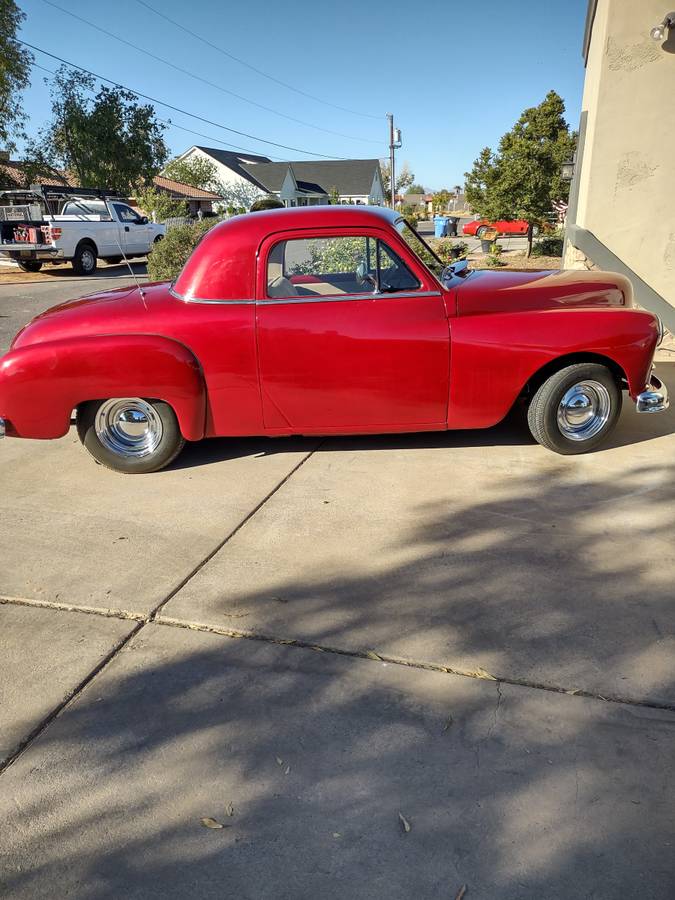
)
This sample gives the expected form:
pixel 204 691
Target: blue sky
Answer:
pixel 455 74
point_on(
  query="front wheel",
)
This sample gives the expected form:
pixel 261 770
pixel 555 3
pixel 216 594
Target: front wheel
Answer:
pixel 130 434
pixel 575 409
pixel 30 265
pixel 481 231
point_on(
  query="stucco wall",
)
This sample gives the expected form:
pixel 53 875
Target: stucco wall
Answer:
pixel 626 179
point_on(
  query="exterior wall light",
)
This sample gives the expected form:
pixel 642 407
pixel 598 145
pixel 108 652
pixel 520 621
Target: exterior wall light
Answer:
pixel 567 170
pixel 659 31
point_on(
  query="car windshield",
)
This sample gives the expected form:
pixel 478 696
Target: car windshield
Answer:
pixel 420 247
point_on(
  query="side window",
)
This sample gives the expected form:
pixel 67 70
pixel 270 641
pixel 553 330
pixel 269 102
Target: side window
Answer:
pixel 394 275
pixel 125 213
pixel 333 266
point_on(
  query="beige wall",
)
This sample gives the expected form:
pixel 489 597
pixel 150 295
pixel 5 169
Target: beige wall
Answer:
pixel 627 174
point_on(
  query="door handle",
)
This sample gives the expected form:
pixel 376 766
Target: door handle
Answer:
pixel 126 227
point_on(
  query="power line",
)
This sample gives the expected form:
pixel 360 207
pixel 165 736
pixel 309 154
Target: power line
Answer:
pixel 212 84
pixel 184 112
pixel 243 62
pixel 209 137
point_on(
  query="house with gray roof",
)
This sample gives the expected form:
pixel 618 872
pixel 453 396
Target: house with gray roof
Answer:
pixel 298 182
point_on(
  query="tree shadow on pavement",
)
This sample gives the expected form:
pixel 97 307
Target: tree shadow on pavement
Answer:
pixel 521 794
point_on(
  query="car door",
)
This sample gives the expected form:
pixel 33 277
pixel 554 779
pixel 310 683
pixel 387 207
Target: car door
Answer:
pixel 352 335
pixel 133 230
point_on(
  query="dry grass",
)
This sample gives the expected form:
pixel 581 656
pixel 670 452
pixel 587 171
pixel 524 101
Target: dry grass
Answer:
pixel 515 260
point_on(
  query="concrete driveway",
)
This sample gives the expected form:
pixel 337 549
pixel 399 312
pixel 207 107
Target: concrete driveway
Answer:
pixel 387 667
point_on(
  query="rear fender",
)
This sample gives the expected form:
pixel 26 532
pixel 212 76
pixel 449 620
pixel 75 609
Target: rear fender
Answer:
pixel 40 384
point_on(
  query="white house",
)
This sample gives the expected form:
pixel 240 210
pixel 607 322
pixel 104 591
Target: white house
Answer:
pixel 301 182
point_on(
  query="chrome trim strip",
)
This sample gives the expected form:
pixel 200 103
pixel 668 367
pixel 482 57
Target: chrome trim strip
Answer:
pixel 329 298
pixel 345 298
pixel 655 399
pixel 218 302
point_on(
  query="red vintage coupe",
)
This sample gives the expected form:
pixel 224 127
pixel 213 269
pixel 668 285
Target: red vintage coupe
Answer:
pixel 329 320
pixel 479 227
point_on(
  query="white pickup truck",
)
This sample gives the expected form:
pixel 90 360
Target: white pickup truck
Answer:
pixel 88 226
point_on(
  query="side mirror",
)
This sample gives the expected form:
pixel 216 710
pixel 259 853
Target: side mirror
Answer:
pixel 144 220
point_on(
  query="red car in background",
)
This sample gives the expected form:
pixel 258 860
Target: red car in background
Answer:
pixel 480 226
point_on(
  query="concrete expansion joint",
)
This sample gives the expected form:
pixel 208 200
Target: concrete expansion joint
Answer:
pixel 140 619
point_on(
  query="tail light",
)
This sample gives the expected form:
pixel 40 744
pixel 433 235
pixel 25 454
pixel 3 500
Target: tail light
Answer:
pixel 51 233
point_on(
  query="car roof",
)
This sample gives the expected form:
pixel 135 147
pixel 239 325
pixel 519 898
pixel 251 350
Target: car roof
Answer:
pixel 312 216
pixel 221 266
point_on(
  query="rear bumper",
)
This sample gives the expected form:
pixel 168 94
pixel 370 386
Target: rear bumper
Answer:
pixel 655 398
pixel 30 251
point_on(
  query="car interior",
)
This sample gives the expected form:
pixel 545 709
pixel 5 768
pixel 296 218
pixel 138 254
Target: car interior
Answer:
pixel 330 266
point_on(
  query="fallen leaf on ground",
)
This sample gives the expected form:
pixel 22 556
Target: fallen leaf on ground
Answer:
pixel 280 761
pixel 287 770
pixel 448 723
pixel 208 822
pixel 371 654
pixel 405 824
pixel 229 810
pixel 461 892
pixel 336 834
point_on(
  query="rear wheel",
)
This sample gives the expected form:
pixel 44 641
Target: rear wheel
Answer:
pixel 130 434
pixel 575 409
pixel 481 231
pixel 30 265
pixel 84 261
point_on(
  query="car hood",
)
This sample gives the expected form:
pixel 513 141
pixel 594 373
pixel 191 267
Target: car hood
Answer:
pixel 106 312
pixel 484 292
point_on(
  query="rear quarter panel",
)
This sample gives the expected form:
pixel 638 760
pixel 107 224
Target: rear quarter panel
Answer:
pixel 40 384
pixel 494 356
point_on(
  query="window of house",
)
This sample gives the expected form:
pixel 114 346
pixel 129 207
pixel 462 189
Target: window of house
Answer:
pixel 337 265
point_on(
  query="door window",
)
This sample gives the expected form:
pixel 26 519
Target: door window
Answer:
pixel 126 213
pixel 336 265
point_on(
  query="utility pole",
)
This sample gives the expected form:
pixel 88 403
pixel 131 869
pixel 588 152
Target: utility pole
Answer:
pixel 395 143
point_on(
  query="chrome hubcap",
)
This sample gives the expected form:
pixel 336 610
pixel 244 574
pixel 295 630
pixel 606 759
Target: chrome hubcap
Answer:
pixel 129 427
pixel 87 260
pixel 584 410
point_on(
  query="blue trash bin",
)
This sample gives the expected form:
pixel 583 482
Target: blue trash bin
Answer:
pixel 440 226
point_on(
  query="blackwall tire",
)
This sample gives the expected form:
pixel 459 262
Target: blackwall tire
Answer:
pixel 30 265
pixel 575 409
pixel 132 435
pixel 85 259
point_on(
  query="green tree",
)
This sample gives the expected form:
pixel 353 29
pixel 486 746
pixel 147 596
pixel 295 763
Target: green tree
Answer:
pixel 416 189
pixel 441 200
pixel 334 195
pixel 522 179
pixel 195 171
pixel 15 63
pixel 159 205
pixel 108 140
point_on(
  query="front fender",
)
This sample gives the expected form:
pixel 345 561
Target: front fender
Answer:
pixel 40 384
pixel 494 356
